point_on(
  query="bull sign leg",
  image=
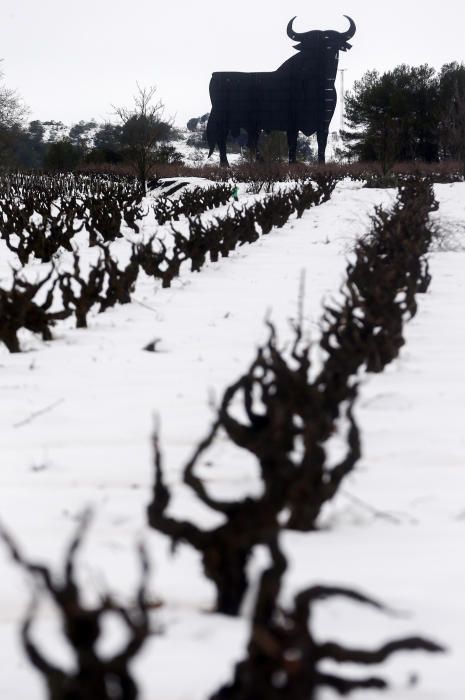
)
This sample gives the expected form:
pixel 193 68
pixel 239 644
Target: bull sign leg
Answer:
pixel 322 138
pixel 292 145
pixel 252 145
pixel 222 148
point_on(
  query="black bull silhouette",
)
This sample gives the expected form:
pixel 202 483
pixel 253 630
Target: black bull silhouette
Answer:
pixel 299 96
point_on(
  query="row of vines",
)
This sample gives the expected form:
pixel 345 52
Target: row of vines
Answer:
pixel 282 411
pixel 39 223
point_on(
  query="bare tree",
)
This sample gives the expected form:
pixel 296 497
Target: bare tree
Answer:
pixel 143 128
pixel 12 114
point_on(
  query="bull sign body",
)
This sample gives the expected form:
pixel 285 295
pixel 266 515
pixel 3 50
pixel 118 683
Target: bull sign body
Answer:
pixel 299 96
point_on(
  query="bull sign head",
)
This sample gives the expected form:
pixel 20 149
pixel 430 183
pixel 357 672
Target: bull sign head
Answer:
pixel 310 40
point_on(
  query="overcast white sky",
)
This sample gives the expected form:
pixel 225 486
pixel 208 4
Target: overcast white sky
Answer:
pixel 74 60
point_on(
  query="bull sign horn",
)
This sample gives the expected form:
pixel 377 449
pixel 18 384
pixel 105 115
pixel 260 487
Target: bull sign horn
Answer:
pixel 352 29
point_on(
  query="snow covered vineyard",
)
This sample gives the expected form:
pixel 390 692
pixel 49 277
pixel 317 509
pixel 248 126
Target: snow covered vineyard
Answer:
pixel 77 416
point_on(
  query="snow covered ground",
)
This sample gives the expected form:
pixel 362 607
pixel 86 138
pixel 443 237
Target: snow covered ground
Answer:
pixel 75 422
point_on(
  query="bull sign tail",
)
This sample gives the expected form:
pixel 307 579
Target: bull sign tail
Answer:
pixel 211 137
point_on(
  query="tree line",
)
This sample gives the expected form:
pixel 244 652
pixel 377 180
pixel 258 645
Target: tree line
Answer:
pixel 410 113
pixel 140 136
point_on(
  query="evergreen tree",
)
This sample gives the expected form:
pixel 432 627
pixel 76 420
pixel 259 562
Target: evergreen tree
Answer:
pixel 452 100
pixel 107 147
pixel 31 148
pixel 394 116
pixel 81 135
pixel 62 155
